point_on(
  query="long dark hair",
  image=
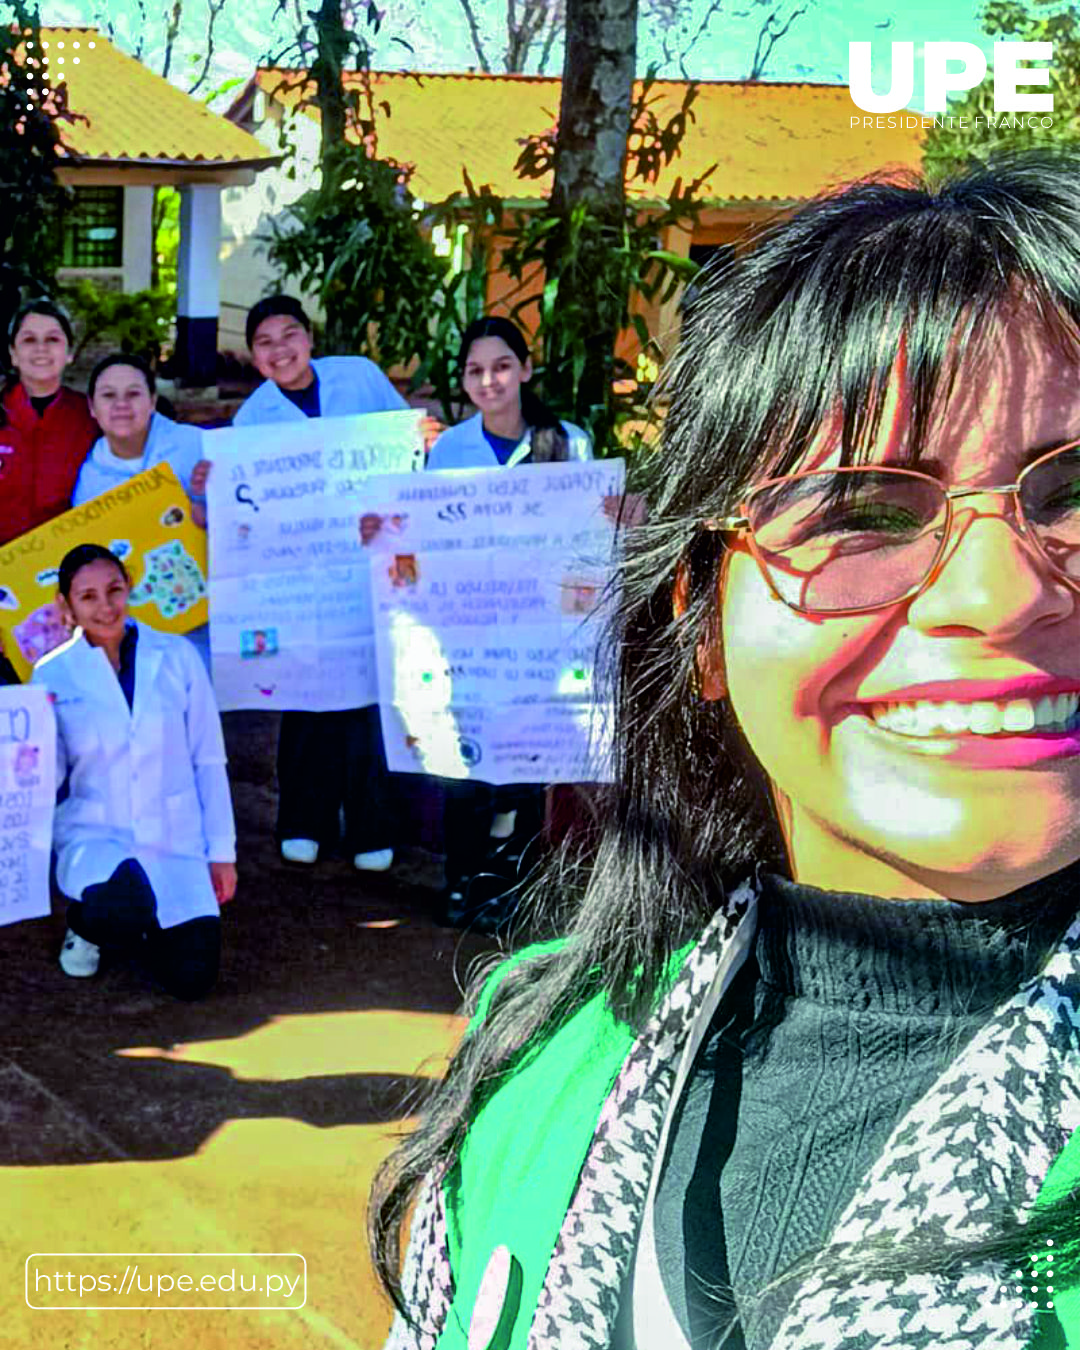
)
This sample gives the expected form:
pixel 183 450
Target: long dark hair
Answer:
pixel 807 322
pixel 549 440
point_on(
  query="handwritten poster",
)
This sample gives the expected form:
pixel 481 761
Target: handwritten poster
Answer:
pixel 290 622
pixel 488 586
pixel 147 524
pixel 27 799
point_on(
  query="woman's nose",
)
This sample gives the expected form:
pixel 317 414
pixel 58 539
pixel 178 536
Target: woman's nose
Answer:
pixel 994 579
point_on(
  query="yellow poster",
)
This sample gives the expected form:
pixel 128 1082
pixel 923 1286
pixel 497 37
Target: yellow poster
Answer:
pixel 147 524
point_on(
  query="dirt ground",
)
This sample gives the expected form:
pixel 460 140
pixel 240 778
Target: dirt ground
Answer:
pixel 248 1123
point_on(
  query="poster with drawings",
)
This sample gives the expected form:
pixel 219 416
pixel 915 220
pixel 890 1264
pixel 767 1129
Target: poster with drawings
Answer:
pixel 147 523
pixel 488 588
pixel 27 800
pixel 290 613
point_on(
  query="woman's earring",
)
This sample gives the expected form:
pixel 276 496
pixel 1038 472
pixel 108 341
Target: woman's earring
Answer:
pixel 695 682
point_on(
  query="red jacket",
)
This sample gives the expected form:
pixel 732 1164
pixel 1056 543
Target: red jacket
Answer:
pixel 40 458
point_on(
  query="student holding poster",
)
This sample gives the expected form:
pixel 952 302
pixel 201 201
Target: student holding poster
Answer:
pixel 803 1072
pixel 45 428
pixel 511 426
pixel 331 760
pixel 123 397
pixel 145 841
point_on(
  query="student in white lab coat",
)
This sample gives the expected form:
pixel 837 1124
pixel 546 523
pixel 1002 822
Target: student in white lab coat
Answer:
pixel 123 397
pixel 512 426
pixel 327 761
pixel 145 840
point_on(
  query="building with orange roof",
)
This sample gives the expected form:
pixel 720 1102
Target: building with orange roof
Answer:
pixel 134 132
pixel 760 148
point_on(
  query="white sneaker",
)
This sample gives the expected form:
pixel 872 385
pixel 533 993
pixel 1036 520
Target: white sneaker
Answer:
pixel 378 860
pixel 300 850
pixel 79 957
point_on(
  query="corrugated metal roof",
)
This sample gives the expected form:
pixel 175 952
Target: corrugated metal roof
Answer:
pixel 770 142
pixel 132 114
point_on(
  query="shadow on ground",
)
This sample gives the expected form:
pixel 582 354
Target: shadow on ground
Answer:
pixel 111 1070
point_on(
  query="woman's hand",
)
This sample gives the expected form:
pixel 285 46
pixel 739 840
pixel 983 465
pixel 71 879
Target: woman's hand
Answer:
pixel 431 429
pixel 626 510
pixel 199 475
pixel 223 879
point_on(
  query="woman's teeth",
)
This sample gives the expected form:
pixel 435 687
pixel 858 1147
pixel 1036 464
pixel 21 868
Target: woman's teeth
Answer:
pixel 981 718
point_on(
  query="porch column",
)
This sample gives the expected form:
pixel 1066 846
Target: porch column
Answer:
pixel 197 283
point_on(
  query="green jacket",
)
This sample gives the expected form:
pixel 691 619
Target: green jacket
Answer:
pixel 520 1175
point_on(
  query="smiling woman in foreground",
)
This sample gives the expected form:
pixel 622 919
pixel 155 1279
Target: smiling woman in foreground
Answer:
pixel 803 1071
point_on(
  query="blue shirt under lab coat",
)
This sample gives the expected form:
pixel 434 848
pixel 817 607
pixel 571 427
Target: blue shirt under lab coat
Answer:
pixel 347 385
pixel 465 446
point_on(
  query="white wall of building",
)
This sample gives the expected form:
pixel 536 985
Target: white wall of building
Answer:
pixel 138 238
pixel 246 212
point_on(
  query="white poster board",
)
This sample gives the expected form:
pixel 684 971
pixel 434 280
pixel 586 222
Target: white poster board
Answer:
pixel 290 601
pixel 487 586
pixel 27 800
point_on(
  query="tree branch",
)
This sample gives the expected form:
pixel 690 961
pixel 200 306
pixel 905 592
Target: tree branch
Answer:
pixel 215 7
pixel 714 8
pixel 171 32
pixel 137 53
pixel 766 35
pixel 556 21
pixel 474 33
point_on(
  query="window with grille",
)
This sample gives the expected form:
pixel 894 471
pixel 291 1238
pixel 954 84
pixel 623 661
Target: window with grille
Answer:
pixel 93 230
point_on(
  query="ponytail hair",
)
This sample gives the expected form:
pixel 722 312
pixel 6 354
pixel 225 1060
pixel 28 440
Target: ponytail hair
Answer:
pixel 549 440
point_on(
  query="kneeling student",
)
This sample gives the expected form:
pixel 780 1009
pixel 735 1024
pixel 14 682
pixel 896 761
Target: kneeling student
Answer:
pixel 145 840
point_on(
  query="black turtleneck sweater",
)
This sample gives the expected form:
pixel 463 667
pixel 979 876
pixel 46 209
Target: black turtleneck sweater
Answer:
pixel 846 1013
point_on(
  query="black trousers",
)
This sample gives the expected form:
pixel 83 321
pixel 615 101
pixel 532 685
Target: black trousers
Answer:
pixel 467 815
pixel 331 760
pixel 122 913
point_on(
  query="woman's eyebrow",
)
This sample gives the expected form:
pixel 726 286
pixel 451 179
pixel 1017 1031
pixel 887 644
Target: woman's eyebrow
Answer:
pixel 937 469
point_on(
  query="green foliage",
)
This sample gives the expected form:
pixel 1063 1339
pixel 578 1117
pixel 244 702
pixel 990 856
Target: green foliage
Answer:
pixel 31 114
pixel 166 240
pixel 360 246
pixel 952 146
pixel 354 243
pixel 599 271
pixel 462 292
pixel 137 322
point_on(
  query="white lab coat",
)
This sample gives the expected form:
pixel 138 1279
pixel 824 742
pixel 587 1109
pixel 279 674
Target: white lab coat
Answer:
pixel 177 444
pixel 464 446
pixel 347 384
pixel 148 782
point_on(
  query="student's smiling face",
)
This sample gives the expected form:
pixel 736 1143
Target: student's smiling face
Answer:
pixel 493 376
pixel 122 404
pixel 97 602
pixel 39 353
pixel 886 800
pixel 281 350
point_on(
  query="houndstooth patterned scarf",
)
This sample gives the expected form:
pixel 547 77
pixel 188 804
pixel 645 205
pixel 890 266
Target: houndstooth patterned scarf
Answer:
pixel 988 1130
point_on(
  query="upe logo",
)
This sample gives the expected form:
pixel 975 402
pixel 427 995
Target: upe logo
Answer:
pixel 939 81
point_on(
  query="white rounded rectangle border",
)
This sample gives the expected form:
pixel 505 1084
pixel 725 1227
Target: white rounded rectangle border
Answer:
pixel 164 1277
